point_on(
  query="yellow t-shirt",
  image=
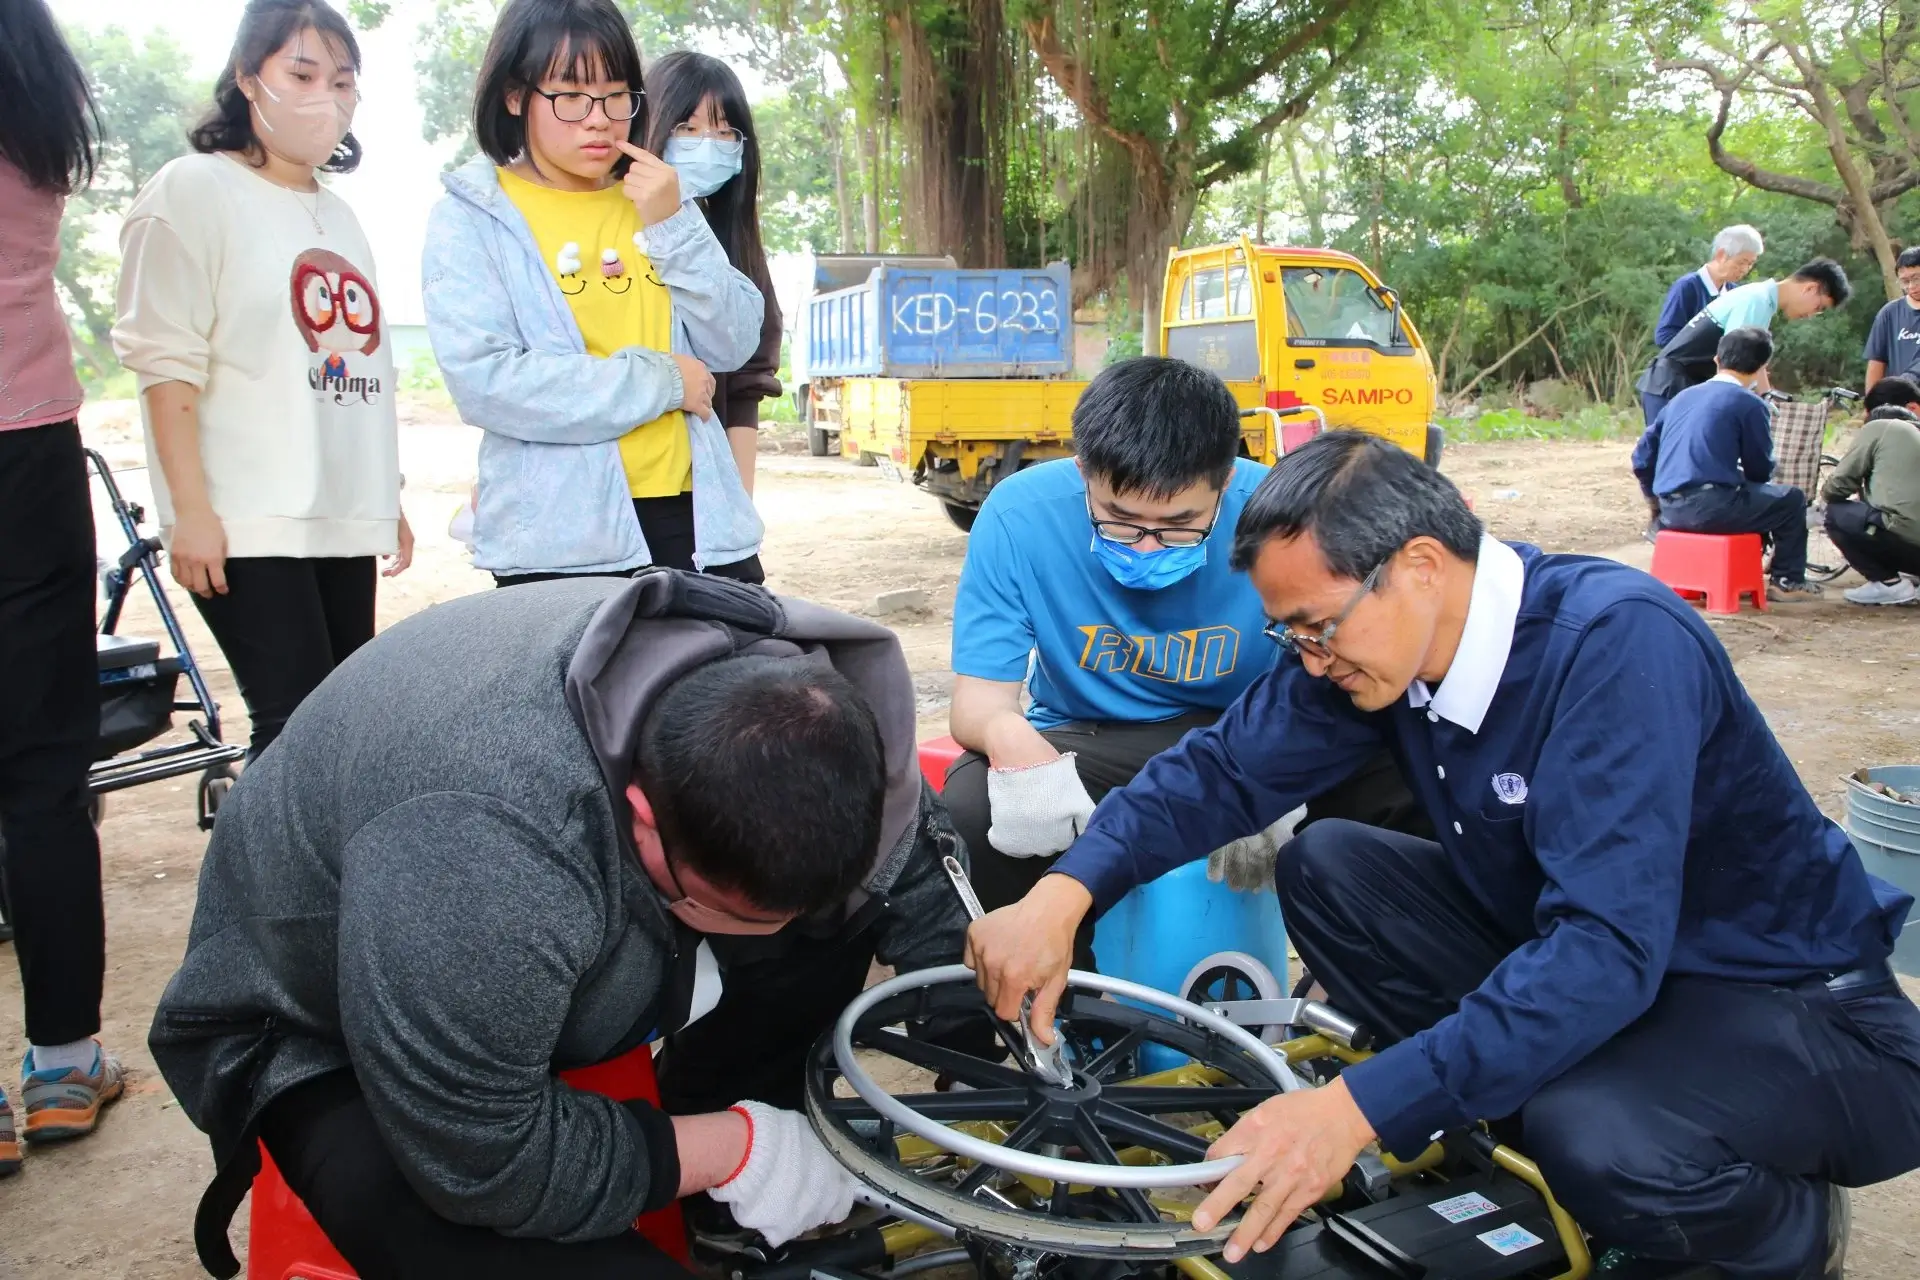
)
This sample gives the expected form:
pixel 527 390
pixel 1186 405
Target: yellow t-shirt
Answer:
pixel 589 240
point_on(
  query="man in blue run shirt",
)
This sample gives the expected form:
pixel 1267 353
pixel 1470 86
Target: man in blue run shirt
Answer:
pixel 1686 359
pixel 1637 941
pixel 1706 460
pixel 1108 571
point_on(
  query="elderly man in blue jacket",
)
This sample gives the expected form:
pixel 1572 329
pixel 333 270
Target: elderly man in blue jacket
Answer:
pixel 1636 934
pixel 1735 250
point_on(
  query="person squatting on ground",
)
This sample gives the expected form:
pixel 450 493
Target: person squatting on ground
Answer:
pixel 1705 461
pixel 1873 497
pixel 531 830
pixel 1106 569
pixel 1637 939
pixel 579 303
pixel 250 312
pixel 50 712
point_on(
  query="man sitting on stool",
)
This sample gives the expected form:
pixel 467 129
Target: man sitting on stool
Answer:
pixel 1709 454
pixel 1879 533
pixel 1107 568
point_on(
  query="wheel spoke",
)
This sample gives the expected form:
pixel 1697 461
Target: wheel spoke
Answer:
pixel 1095 1144
pixel 1151 1101
pixel 941 1060
pixel 1110 1059
pixel 1029 1131
pixel 967 1104
pixel 1150 1133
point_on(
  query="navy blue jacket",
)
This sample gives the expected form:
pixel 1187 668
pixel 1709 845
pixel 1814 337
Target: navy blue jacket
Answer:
pixel 1684 301
pixel 1715 433
pixel 1656 827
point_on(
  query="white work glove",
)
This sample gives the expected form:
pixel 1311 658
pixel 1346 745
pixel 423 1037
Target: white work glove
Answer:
pixel 788 1184
pixel 1039 810
pixel 1247 864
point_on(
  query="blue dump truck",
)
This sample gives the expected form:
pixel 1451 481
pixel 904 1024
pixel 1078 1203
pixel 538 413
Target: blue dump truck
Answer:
pixel 949 378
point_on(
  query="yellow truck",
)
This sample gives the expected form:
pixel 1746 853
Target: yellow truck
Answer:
pixel 1307 339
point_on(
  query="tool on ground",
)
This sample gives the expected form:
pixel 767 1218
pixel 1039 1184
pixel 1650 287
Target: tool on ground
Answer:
pixel 1042 1060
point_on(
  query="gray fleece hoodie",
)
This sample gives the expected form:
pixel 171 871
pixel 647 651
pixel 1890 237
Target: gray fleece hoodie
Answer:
pixel 430 879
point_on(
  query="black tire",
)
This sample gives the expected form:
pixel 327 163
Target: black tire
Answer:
pixel 1436 445
pixel 961 515
pixel 822 443
pixel 214 785
pixel 1824 561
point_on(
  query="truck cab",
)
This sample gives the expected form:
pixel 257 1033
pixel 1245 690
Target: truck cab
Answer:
pixel 1311 336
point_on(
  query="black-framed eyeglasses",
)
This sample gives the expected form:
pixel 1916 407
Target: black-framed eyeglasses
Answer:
pixel 1129 534
pixel 573 106
pixel 1320 645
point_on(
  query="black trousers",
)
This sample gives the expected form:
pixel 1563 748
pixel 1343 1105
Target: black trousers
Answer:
pixel 667 524
pixel 1775 511
pixel 49 722
pixel 284 625
pixel 1706 1131
pixel 782 993
pixel 1861 534
pixel 1109 755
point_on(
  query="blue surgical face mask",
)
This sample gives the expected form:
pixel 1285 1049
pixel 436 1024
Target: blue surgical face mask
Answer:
pixel 1148 570
pixel 705 164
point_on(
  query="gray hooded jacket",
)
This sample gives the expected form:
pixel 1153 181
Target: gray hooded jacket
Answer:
pixel 430 879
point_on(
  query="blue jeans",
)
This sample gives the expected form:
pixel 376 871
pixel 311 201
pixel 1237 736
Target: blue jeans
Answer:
pixel 1774 511
pixel 1706 1131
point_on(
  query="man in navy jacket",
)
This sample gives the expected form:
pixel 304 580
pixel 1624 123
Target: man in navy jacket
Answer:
pixel 1735 250
pixel 1705 462
pixel 1636 933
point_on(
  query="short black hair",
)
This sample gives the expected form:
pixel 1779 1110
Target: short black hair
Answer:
pixel 1896 389
pixel 1362 498
pixel 266 25
pixel 577 40
pixel 1830 276
pixel 767 776
pixel 51 140
pixel 1908 258
pixel 1152 426
pixel 1746 349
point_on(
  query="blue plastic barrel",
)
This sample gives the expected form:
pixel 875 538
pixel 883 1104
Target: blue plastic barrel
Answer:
pixel 1159 932
pixel 1887 834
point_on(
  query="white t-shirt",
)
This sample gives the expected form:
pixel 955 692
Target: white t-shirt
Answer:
pixel 265 299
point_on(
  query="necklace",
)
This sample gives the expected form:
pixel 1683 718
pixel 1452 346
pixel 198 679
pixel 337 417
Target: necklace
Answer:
pixel 312 211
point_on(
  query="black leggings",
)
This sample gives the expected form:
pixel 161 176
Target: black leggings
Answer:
pixel 667 524
pixel 49 722
pixel 284 625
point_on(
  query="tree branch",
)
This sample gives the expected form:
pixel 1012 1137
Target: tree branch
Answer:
pixel 1306 36
pixel 1521 345
pixel 1213 169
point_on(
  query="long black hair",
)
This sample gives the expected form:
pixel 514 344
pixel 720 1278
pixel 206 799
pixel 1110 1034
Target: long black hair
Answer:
pixel 577 40
pixel 49 126
pixel 676 86
pixel 265 26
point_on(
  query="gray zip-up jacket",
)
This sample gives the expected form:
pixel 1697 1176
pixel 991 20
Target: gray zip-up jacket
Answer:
pixel 430 879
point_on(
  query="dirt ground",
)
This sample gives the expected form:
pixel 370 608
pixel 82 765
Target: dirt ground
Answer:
pixel 1837 683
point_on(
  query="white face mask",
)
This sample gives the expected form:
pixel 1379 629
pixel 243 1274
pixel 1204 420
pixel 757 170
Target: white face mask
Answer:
pixel 305 128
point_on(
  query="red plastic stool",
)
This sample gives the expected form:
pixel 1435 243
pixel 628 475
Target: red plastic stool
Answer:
pixel 1720 566
pixel 936 757
pixel 285 1243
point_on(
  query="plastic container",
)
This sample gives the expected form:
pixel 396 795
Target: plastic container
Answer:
pixel 914 321
pixel 1887 835
pixel 1160 932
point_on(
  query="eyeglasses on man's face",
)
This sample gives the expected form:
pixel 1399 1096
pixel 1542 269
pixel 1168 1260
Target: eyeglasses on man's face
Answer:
pixel 1320 644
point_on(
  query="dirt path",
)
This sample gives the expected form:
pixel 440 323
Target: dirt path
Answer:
pixel 1838 684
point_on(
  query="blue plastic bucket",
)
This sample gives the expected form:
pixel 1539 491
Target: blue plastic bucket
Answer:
pixel 1159 932
pixel 1887 835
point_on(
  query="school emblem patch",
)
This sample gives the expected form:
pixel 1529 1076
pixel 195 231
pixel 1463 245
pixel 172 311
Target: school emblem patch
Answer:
pixel 1510 787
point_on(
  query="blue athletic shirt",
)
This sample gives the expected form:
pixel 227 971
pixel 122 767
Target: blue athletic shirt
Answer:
pixel 1103 652
pixel 1750 304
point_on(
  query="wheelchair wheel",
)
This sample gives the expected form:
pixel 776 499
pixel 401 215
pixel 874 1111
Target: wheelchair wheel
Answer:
pixel 1233 975
pixel 214 785
pixel 1824 561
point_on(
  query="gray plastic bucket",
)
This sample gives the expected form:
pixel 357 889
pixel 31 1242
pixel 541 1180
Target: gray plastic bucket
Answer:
pixel 1887 834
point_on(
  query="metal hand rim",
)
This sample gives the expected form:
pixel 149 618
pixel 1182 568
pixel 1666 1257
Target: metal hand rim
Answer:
pixel 1034 1165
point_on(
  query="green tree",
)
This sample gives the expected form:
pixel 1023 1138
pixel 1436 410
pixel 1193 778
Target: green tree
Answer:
pixel 147 103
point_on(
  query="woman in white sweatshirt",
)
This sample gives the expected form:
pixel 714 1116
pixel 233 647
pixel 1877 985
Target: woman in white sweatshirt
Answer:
pixel 249 312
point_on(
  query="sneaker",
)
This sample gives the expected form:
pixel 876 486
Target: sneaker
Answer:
pixel 1789 590
pixel 9 1144
pixel 1899 591
pixel 66 1104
